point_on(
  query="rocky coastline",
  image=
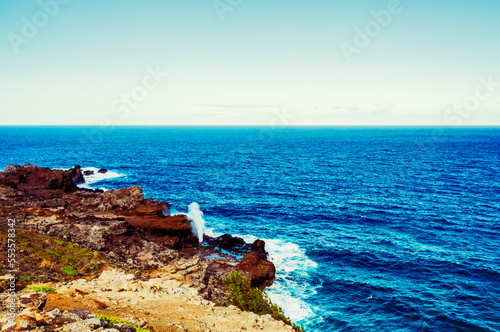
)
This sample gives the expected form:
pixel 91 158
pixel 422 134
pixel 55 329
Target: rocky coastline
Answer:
pixel 63 228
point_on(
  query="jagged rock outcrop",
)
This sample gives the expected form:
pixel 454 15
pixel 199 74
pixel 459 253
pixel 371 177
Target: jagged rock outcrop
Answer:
pixel 135 232
pixel 229 242
pixel 255 265
pixel 124 198
pixel 89 233
pixel 33 180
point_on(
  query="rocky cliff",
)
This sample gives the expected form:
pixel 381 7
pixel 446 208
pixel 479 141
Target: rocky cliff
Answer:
pixel 118 228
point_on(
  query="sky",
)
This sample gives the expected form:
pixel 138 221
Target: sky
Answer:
pixel 249 62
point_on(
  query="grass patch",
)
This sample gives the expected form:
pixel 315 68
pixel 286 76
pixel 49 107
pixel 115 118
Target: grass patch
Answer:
pixel 27 279
pixel 41 289
pixel 52 252
pixel 94 266
pixel 79 251
pixel 69 259
pixel 242 295
pixel 114 320
pixel 70 270
pixel 39 254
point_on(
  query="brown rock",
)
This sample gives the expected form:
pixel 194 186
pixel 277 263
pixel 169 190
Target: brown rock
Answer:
pixel 78 292
pixel 32 299
pixel 25 323
pixel 228 242
pixel 5 283
pixel 9 193
pixel 12 168
pixel 43 319
pixel 255 265
pixel 133 232
pixel 153 209
pixel 98 304
pixel 177 225
pixel 125 198
pixel 149 210
pixel 39 180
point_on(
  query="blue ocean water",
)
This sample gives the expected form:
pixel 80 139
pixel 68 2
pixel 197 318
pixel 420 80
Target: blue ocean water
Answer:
pixel 371 229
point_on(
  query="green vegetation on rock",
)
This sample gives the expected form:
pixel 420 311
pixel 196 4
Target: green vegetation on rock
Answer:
pixel 41 289
pixel 38 255
pixel 52 252
pixel 79 251
pixel 242 295
pixel 69 270
pixel 114 320
pixel 69 259
pixel 27 279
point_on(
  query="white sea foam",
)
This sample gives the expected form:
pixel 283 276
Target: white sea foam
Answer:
pixel 195 215
pixel 212 233
pixel 97 177
pixel 290 289
pixel 291 297
pixel 207 230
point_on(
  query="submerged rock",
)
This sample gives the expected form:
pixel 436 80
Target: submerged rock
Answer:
pixel 228 242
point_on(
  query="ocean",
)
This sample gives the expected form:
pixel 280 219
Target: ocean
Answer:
pixel 371 229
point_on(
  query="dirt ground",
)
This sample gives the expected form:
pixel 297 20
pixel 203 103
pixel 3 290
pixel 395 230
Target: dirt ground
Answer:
pixel 159 304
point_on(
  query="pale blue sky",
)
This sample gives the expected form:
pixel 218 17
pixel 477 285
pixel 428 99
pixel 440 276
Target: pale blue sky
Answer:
pixel 82 61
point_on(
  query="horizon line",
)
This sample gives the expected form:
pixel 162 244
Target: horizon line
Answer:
pixel 252 126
